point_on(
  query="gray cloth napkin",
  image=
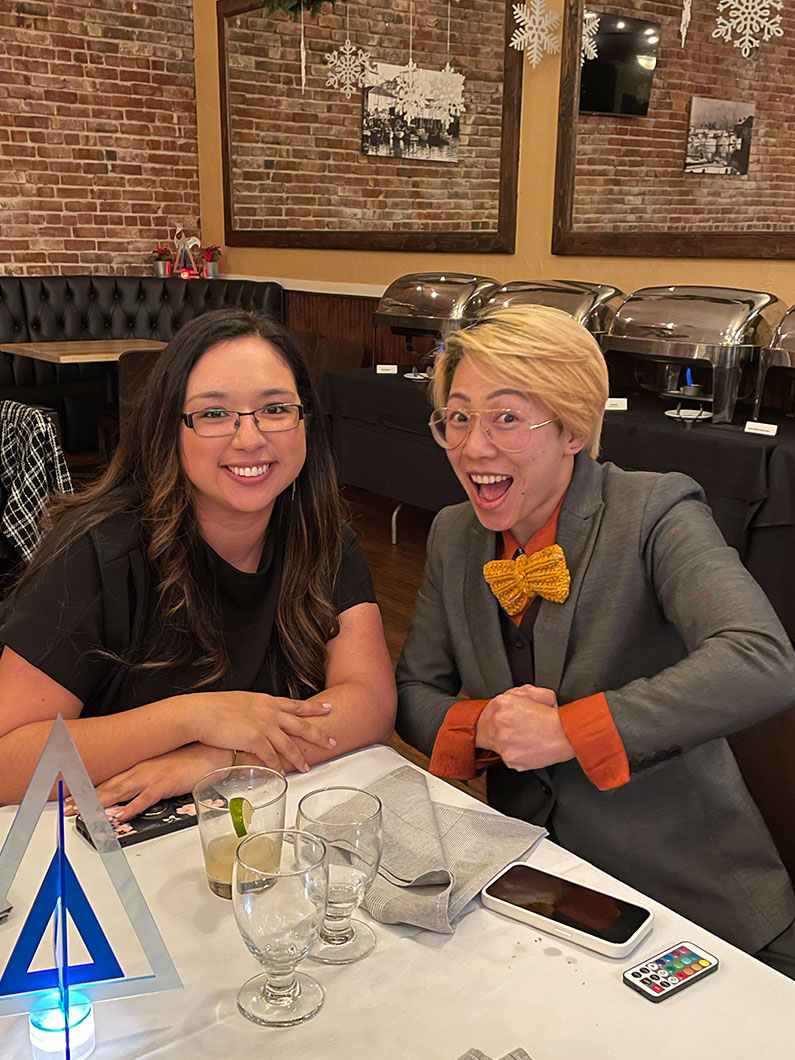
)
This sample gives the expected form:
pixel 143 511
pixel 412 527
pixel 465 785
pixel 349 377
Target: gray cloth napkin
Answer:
pixel 437 857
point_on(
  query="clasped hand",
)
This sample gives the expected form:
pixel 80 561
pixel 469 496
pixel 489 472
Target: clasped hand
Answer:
pixel 265 726
pixel 523 726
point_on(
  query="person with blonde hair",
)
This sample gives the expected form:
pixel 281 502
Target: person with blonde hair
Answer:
pixel 584 634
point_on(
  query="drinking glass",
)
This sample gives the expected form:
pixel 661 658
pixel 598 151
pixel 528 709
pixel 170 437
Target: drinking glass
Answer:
pixel 349 823
pixel 230 803
pixel 279 905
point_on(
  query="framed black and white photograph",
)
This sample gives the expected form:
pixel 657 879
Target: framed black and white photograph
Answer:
pixel 403 118
pixel 719 138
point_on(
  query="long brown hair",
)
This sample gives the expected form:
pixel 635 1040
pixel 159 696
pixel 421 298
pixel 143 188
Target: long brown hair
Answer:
pixel 145 476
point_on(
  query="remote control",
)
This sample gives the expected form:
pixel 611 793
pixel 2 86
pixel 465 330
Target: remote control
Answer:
pixel 671 971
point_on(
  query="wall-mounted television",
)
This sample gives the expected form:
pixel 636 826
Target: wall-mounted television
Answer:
pixel 619 79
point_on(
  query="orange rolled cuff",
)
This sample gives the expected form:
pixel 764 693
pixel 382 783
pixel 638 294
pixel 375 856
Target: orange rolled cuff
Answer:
pixel 454 752
pixel 591 731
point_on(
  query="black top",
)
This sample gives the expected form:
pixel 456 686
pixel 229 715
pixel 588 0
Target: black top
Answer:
pixel 99 596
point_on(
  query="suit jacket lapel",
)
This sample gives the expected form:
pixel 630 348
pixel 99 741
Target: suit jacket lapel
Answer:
pixel 481 608
pixel 578 525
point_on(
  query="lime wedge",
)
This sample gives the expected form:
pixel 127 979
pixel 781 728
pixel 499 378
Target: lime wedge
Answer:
pixel 242 813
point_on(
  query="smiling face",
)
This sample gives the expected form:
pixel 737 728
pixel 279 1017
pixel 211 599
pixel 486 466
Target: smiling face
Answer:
pixel 510 491
pixel 237 478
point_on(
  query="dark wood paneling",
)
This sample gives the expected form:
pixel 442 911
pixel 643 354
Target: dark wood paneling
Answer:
pixel 336 316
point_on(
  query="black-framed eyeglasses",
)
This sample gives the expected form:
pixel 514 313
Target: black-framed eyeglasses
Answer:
pixel 508 429
pixel 220 422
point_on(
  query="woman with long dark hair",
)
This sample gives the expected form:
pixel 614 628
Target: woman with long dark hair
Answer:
pixel 204 600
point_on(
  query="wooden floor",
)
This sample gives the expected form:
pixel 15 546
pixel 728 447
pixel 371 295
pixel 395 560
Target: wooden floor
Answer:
pixel 397 574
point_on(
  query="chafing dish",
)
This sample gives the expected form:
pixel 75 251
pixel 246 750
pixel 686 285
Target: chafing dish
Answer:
pixel 591 304
pixel 779 354
pixel 432 303
pixel 722 326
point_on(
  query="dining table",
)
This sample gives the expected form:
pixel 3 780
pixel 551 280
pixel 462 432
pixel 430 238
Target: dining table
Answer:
pixel 493 985
pixel 84 351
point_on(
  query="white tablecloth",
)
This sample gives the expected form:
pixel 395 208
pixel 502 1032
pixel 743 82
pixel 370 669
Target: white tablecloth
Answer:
pixel 495 984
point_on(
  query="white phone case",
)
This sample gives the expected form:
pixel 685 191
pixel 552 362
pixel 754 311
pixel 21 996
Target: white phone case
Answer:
pixel 571 934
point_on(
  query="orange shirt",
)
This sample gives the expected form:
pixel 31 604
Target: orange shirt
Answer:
pixel 587 723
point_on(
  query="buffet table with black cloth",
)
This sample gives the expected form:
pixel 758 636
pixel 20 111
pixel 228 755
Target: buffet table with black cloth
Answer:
pixel 79 308
pixel 382 443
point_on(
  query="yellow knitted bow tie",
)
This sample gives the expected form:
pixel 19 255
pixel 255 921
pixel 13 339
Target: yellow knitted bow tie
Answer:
pixel 515 582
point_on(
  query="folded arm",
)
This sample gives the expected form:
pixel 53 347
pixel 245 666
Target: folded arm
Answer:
pixel 205 728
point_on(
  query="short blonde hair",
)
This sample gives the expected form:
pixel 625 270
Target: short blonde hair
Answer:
pixel 546 352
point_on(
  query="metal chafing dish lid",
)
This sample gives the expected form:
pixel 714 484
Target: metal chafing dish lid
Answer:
pixel 591 304
pixel 432 301
pixel 784 339
pixel 706 316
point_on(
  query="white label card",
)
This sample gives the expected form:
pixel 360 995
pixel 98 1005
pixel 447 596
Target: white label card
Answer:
pixel 755 427
pixel 616 405
pixel 386 369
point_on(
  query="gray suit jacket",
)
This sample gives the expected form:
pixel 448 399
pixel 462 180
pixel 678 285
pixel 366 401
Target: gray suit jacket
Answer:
pixel 662 618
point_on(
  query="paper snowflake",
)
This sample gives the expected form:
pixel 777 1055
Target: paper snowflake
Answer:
pixel 411 92
pixel 748 20
pixel 685 20
pixel 590 24
pixel 446 93
pixel 537 32
pixel 349 68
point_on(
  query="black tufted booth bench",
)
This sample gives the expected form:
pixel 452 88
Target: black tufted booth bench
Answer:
pixel 77 308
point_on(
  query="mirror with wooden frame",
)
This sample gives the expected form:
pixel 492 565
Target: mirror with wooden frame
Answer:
pixel 707 172
pixel 312 165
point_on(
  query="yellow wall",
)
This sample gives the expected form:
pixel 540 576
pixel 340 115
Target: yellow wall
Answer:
pixel 532 259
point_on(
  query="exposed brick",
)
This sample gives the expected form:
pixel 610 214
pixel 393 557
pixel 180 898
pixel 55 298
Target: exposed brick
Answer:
pixel 279 134
pixel 84 81
pixel 629 172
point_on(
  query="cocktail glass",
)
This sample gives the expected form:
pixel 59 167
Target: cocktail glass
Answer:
pixel 231 803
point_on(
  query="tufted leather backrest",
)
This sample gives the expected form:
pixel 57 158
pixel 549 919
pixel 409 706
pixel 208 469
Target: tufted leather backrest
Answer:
pixel 72 308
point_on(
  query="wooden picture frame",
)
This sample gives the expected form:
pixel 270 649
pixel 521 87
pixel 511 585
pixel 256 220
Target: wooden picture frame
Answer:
pixel 499 240
pixel 566 239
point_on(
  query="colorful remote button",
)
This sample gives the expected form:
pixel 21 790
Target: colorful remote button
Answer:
pixel 669 972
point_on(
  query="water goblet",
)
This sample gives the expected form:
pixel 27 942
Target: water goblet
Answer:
pixel 349 823
pixel 279 888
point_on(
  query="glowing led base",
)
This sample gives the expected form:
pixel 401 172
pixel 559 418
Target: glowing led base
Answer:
pixel 47 1037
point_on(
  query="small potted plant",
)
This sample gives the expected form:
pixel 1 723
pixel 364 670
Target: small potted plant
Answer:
pixel 163 258
pixel 211 257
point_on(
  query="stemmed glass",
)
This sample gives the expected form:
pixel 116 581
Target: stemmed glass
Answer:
pixel 349 823
pixel 279 889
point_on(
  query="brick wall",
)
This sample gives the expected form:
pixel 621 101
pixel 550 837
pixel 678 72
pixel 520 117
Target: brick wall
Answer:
pixel 98 142
pixel 629 171
pixel 297 157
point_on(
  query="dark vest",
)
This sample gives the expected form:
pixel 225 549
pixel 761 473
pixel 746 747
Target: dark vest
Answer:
pixel 524 795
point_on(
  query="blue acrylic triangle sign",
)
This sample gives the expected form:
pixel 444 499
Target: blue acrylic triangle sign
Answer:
pixel 17 977
pixel 105 980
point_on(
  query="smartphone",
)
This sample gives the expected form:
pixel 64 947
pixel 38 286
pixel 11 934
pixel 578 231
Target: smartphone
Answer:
pixel 169 815
pixel 599 921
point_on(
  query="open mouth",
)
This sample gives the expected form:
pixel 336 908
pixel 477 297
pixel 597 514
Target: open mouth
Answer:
pixel 248 472
pixel 490 489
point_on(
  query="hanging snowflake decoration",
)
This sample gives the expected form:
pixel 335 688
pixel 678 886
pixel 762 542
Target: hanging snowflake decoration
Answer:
pixel 446 93
pixel 590 25
pixel 685 21
pixel 537 32
pixel 349 68
pixel 748 20
pixel 411 91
